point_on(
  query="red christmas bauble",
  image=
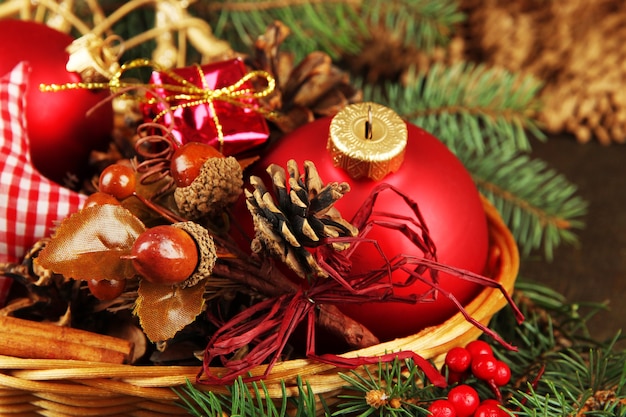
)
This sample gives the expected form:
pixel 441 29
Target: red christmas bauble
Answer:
pixel 448 200
pixel 61 133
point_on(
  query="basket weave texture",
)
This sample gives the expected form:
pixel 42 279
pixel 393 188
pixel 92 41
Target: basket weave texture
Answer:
pixel 35 387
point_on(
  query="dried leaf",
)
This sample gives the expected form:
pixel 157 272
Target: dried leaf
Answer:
pixel 163 310
pixel 90 244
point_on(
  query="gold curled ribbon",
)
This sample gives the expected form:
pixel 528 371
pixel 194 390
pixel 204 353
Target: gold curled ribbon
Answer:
pixel 190 94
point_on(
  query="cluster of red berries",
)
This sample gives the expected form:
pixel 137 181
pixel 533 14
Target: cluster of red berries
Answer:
pixel 463 401
pixel 477 359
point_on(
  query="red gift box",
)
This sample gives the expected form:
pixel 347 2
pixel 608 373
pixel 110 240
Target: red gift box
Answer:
pixel 210 104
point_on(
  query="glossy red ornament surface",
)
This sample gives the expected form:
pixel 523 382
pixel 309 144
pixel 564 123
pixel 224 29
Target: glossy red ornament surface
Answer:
pixel 243 128
pixel 448 200
pixel 61 134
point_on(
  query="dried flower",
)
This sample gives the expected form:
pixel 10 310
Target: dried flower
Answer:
pixel 376 398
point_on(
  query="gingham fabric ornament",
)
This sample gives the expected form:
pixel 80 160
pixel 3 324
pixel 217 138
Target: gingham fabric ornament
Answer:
pixel 30 204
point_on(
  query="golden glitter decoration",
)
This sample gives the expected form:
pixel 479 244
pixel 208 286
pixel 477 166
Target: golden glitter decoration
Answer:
pixel 367 140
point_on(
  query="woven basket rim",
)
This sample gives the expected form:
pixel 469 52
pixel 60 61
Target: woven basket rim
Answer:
pixel 92 380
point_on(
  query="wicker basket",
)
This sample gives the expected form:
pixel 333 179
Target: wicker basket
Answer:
pixel 30 387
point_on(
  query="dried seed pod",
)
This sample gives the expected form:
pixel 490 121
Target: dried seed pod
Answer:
pixel 219 184
pixel 311 88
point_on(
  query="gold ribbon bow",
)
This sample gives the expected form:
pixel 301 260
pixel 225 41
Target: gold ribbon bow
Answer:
pixel 187 93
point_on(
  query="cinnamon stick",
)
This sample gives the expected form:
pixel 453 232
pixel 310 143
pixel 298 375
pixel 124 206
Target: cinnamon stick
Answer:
pixel 354 333
pixel 29 339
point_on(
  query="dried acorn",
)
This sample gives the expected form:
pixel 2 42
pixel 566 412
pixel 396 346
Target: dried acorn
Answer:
pixel 182 254
pixel 218 183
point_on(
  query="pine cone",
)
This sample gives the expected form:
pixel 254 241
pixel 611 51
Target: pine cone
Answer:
pixel 313 88
pixel 219 184
pixel 301 218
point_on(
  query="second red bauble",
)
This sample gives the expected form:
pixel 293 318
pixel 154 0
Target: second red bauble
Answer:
pixel 61 133
pixel 448 200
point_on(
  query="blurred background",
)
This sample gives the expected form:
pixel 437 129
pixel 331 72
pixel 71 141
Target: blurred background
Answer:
pixel 595 269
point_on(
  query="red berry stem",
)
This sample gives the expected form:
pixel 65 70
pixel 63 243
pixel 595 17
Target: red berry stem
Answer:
pixel 534 383
pixel 495 389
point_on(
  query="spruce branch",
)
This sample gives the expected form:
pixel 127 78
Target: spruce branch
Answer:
pixel 330 26
pixel 247 400
pixel 421 24
pixel 469 107
pixel 397 388
pixel 540 206
pixel 580 376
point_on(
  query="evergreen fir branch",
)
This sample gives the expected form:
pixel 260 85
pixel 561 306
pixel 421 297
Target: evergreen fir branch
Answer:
pixel 576 384
pixel 331 26
pixel 247 400
pixel 540 206
pixel 422 24
pixel 198 403
pixel 471 108
pixel 579 374
pixel 484 115
pixel 396 389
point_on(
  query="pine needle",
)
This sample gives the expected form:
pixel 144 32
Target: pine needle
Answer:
pixel 540 206
pixel 422 24
pixel 330 26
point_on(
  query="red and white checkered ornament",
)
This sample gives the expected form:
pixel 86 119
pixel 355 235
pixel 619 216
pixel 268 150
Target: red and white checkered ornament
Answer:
pixel 30 204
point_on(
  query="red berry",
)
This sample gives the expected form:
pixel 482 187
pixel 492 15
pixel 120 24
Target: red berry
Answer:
pixel 479 347
pixel 442 408
pixel 490 408
pixel 458 359
pixel 487 411
pixel 187 161
pixel 106 289
pixel 502 375
pixel 465 400
pixel 99 198
pixel 491 403
pixel 165 255
pixel 117 180
pixel 484 367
